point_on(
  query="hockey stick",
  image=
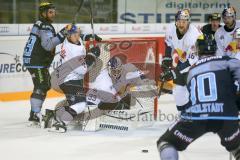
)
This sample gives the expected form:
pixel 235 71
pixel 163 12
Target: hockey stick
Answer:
pixel 89 4
pixel 77 11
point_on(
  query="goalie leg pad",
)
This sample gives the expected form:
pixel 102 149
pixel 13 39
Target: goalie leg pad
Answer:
pixel 65 114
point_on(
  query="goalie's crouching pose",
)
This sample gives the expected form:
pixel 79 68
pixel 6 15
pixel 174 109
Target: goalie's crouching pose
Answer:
pixel 69 76
pixel 113 87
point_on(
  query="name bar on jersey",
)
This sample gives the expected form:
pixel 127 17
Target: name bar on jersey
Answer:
pixel 206 108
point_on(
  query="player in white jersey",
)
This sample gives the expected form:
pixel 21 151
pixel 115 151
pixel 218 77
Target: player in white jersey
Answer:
pixel 180 42
pixel 226 42
pixel 113 85
pixel 70 76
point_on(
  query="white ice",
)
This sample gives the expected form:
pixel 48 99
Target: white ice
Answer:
pixel 19 142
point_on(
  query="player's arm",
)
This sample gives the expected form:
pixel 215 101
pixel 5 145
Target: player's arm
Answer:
pixel 220 47
pixel 48 40
pixel 167 58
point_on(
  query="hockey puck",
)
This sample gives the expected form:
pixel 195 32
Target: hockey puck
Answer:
pixel 145 151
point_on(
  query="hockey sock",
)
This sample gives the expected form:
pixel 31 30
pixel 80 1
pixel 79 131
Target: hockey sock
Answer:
pixel 36 105
pixel 167 152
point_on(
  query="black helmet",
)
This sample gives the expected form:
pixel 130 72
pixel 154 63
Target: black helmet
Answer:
pixel 206 45
pixel 215 16
pixel 44 6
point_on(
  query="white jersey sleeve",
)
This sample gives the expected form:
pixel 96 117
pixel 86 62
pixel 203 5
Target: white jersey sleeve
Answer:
pixel 169 37
pixel 220 46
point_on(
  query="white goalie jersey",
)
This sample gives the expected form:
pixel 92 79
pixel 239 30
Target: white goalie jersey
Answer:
pixel 105 89
pixel 226 44
pixel 184 48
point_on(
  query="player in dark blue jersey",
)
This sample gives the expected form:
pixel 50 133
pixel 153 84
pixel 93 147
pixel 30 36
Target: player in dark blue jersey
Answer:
pixel 39 53
pixel 38 56
pixel 211 107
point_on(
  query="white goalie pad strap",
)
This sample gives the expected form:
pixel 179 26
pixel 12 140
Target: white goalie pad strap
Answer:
pixel 181 95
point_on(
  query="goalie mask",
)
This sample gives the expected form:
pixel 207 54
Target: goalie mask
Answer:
pixel 114 67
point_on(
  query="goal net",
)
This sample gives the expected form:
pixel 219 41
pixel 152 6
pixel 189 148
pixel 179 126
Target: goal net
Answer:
pixel 143 53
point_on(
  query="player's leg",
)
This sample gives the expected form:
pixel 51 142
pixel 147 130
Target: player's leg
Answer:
pixel 41 82
pixel 230 137
pixel 76 99
pixel 178 137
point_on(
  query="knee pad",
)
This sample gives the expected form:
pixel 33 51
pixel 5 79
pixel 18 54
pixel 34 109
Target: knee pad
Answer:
pixel 236 153
pixel 167 151
pixel 39 94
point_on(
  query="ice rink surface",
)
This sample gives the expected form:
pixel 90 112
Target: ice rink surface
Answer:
pixel 19 142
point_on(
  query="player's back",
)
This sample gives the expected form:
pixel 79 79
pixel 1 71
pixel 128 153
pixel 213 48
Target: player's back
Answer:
pixel 212 91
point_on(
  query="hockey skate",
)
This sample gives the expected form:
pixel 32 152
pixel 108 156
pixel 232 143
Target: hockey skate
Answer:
pixel 35 119
pixel 48 119
pixel 58 127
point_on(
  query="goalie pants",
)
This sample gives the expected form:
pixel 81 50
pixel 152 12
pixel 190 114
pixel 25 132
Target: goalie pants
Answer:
pixel 183 133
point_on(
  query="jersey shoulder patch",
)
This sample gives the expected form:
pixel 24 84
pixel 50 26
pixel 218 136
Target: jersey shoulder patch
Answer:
pixel 38 24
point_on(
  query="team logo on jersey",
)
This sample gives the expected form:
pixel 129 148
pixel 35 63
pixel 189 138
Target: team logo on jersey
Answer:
pixel 222 37
pixel 233 47
pixel 182 56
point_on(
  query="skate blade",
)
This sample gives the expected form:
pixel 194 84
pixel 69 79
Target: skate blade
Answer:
pixel 59 130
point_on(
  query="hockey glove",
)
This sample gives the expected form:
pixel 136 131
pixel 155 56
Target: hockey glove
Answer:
pixel 87 37
pixel 95 51
pixel 167 74
pixel 62 34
